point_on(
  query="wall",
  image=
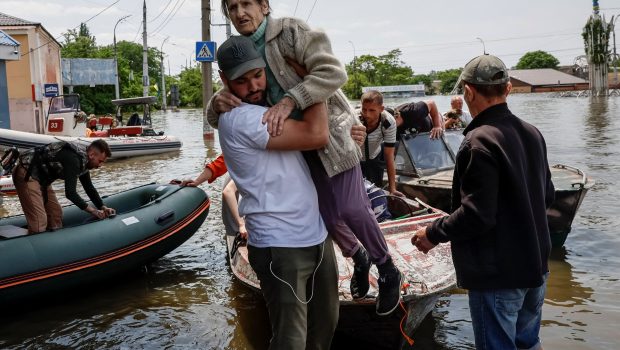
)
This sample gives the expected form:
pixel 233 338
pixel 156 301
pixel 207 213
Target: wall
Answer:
pixel 19 85
pixel 35 68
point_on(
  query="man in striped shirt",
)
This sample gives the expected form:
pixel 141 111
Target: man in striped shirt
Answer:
pixel 378 149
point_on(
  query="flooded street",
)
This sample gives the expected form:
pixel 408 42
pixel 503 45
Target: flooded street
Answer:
pixel 189 300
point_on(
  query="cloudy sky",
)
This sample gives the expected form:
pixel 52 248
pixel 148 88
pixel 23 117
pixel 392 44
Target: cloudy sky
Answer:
pixel 432 35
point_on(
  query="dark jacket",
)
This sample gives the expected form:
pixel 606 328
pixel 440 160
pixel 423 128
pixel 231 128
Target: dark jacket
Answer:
pixel 500 192
pixel 62 160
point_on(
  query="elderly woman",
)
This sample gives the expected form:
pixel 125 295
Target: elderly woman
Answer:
pixel 302 71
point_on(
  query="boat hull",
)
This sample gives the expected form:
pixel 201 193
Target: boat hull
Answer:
pixel 152 220
pixel 121 147
pixel 427 276
pixel 571 186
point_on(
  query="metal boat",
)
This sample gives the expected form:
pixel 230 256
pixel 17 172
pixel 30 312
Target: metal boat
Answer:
pixel 424 169
pixel 427 276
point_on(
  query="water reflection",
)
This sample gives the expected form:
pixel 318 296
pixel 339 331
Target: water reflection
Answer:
pixel 563 287
pixel 189 299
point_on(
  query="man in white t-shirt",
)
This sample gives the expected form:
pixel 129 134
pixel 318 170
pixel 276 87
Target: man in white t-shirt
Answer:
pixel 457 117
pixel 288 245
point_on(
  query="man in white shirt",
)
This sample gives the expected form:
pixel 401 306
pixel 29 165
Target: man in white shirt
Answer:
pixel 288 244
pixel 459 118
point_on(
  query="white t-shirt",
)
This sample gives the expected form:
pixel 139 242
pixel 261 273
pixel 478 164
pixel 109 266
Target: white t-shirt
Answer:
pixel 279 200
pixel 466 117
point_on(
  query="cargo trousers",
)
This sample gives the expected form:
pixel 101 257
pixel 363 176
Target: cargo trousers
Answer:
pixel 300 287
pixel 41 215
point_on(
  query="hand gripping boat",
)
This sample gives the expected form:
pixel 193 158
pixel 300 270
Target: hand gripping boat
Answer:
pixel 151 221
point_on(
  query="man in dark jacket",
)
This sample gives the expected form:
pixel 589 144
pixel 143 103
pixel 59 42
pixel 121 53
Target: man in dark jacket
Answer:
pixel 498 230
pixel 39 167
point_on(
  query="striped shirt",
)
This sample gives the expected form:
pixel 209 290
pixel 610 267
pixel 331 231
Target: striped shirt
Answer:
pixel 384 133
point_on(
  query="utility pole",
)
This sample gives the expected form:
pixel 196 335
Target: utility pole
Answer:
pixel 207 83
pixel 354 70
pixel 163 76
pixel 614 60
pixel 227 25
pixel 145 56
pixel 116 82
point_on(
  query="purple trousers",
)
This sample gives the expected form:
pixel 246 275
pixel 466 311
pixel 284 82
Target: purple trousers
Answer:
pixel 346 211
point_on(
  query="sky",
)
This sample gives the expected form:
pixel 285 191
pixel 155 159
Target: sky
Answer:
pixel 432 35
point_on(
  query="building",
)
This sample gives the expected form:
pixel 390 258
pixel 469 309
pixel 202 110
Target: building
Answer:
pixel 544 80
pixel 9 51
pixel 397 91
pixel 37 70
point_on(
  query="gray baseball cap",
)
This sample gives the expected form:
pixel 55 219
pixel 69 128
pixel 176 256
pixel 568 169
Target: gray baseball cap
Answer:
pixel 237 56
pixel 485 70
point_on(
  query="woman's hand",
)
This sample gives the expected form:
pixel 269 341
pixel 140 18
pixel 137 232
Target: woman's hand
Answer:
pixel 358 134
pixel 276 115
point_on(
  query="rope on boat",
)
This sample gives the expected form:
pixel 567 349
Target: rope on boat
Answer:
pixel 402 331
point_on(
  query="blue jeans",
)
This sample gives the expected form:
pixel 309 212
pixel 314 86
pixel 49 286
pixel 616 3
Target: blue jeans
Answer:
pixel 507 318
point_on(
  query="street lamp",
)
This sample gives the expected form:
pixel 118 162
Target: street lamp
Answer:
pixel 484 50
pixel 354 67
pixel 116 83
pixel 163 76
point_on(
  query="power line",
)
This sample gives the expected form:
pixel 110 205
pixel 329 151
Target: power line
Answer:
pixel 138 33
pixel 160 13
pixel 74 28
pixel 169 13
pixel 297 4
pixel 310 14
pixel 164 24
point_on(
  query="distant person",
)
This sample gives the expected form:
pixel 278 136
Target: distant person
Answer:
pixel 134 120
pixel 498 228
pixel 288 246
pixel 39 167
pixel 303 71
pixel 378 148
pixel 456 117
pixel 421 116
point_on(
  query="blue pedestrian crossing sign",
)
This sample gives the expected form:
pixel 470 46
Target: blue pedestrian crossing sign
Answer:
pixel 205 51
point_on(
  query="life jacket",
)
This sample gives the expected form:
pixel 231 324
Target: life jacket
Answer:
pixel 41 163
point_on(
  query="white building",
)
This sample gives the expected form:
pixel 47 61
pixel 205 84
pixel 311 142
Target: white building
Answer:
pixel 398 90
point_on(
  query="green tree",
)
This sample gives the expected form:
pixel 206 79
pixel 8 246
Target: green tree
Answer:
pixel 427 81
pixel 190 87
pixel 79 44
pixel 368 70
pixel 448 79
pixel 537 59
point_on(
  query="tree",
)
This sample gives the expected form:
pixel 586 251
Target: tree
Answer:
pixel 537 59
pixel 79 44
pixel 190 87
pixel 448 79
pixel 368 70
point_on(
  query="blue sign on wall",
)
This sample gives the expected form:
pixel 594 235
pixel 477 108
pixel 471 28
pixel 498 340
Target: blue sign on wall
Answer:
pixel 205 51
pixel 51 90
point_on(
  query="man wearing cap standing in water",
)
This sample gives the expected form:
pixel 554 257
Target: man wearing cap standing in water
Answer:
pixel 498 228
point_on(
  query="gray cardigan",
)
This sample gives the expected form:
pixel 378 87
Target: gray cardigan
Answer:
pixel 291 37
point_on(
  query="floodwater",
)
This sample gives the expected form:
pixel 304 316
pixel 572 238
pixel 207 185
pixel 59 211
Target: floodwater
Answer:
pixel 188 299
